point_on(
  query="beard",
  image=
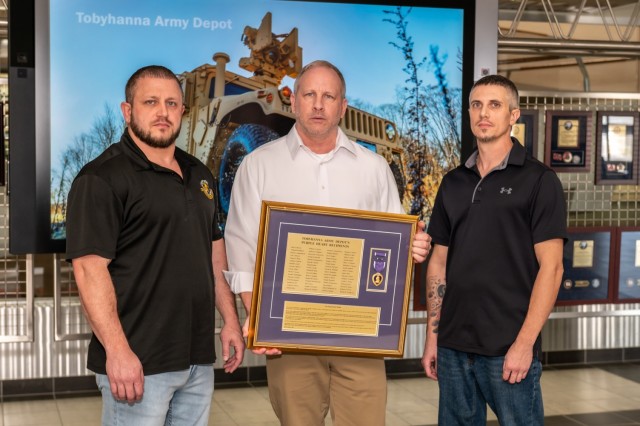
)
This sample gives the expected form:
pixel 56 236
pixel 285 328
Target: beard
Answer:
pixel 486 139
pixel 492 138
pixel 147 138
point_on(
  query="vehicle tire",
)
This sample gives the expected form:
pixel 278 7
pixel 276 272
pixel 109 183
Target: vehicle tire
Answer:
pixel 242 141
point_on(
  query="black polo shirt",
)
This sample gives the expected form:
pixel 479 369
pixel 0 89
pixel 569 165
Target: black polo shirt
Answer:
pixel 490 226
pixel 158 229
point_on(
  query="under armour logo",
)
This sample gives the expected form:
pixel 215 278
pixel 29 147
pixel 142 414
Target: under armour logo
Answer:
pixel 504 190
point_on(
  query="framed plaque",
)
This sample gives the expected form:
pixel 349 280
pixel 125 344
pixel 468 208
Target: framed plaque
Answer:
pixel 526 130
pixel 331 280
pixel 628 259
pixel 567 140
pixel 588 266
pixel 616 152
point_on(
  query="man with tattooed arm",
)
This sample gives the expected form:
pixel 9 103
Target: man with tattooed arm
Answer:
pixel 498 227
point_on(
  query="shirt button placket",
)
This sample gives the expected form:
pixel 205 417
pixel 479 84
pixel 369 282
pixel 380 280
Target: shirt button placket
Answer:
pixel 323 183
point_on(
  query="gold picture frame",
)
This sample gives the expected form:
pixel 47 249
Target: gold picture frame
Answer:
pixel 332 281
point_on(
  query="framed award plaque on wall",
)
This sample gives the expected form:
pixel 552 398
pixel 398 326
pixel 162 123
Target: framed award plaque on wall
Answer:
pixel 616 152
pixel 567 146
pixel 588 262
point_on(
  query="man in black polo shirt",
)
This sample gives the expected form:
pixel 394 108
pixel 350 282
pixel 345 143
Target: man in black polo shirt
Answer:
pixel 145 246
pixel 498 225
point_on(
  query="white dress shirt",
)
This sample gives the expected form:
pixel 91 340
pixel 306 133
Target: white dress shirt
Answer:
pixel 285 170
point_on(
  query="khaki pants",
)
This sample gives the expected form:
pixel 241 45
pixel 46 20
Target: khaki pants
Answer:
pixel 304 387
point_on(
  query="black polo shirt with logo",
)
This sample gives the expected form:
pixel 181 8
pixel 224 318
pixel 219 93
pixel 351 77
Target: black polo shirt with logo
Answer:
pixel 490 226
pixel 158 229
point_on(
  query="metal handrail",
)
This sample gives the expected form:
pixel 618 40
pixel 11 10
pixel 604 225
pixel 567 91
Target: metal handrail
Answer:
pixel 59 333
pixel 28 336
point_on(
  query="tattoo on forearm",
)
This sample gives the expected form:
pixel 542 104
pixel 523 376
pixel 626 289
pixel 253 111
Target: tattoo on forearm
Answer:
pixel 436 287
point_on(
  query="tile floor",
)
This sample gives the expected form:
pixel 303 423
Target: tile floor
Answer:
pixel 602 395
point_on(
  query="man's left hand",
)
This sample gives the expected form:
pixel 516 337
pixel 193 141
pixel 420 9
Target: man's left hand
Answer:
pixel 421 244
pixel 231 337
pixel 517 362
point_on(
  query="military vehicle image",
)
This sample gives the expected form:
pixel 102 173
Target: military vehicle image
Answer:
pixel 228 115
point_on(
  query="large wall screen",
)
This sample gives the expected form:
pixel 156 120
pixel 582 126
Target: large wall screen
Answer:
pixel 408 63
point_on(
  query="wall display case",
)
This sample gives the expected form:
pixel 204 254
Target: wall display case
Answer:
pixel 616 148
pixel 568 135
pixel 588 262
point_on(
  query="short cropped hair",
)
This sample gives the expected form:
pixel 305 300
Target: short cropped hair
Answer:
pixel 153 71
pixel 498 80
pixel 325 64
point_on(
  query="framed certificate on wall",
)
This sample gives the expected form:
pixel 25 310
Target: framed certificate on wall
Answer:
pixel 567 136
pixel 616 148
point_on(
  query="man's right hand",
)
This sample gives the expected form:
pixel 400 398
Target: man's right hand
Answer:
pixel 259 351
pixel 125 374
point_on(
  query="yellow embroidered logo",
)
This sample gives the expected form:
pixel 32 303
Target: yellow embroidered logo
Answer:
pixel 204 187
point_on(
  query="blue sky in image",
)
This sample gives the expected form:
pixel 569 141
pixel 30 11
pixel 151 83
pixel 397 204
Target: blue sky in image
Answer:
pixel 91 63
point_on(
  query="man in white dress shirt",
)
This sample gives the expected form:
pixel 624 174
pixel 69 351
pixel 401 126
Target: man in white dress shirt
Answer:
pixel 314 164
